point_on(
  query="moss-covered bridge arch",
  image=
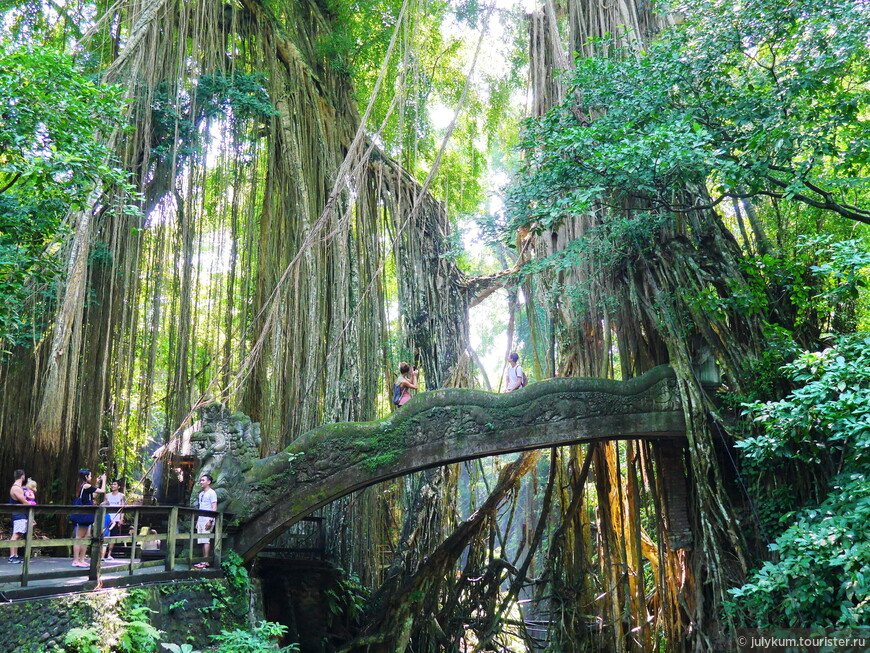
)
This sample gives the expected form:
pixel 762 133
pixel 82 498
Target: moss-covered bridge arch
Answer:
pixel 268 495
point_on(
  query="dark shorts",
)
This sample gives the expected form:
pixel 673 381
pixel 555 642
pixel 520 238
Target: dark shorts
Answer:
pixel 114 531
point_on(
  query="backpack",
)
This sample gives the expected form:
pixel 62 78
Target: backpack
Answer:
pixel 397 393
pixel 523 380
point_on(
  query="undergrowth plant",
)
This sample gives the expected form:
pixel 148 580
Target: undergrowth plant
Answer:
pixel 819 572
pixel 81 640
pixel 263 637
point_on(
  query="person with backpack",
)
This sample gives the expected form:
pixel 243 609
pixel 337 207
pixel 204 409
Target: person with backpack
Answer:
pixel 406 381
pixel 516 378
pixel 82 523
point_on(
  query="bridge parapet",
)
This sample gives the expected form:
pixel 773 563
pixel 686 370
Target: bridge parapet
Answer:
pixel 442 427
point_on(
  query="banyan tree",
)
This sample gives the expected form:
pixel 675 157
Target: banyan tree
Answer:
pixel 282 243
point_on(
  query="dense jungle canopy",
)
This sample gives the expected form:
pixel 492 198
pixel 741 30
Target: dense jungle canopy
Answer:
pixel 271 203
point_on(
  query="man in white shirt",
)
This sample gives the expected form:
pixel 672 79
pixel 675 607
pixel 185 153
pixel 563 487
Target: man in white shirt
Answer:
pixel 204 524
pixel 515 375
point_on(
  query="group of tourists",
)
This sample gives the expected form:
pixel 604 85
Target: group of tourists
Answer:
pixel 82 523
pixel 408 376
pixel 23 492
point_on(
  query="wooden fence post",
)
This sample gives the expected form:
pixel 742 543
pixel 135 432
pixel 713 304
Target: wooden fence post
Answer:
pixel 218 539
pixel 191 541
pixel 172 528
pixel 28 543
pixel 97 545
pixel 133 541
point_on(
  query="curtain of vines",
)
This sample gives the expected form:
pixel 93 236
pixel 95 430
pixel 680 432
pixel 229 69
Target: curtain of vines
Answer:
pixel 253 274
pixel 641 305
pixel 233 281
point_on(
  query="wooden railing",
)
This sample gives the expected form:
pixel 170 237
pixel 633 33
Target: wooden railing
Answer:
pixel 304 540
pixel 170 547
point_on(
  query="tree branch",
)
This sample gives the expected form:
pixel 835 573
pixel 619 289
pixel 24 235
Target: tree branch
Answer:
pixel 845 210
pixel 479 288
pixel 11 182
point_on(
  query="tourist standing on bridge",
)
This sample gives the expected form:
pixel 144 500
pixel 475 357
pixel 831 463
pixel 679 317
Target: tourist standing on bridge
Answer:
pixel 82 523
pixel 516 378
pixel 204 524
pixel 407 381
pixel 19 520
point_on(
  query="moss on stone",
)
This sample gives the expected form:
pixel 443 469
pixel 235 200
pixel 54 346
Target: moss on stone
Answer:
pixel 442 426
pixel 175 608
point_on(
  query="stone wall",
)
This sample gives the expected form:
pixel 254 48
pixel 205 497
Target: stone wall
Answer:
pixel 186 611
pixel 307 596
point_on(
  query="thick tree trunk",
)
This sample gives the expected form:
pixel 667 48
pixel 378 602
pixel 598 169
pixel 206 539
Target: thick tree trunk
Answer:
pixel 649 303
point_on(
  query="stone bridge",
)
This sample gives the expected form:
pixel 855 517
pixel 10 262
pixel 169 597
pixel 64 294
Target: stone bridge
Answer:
pixel 268 495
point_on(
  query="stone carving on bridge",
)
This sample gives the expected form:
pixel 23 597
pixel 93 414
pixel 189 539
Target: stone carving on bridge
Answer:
pixel 434 428
pixel 227 446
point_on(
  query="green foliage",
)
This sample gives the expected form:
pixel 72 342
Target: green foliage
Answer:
pixel 27 224
pixel 238 582
pixel 348 599
pixel 48 146
pixel 179 648
pixel 52 153
pixel 613 243
pixel 358 36
pixel 826 418
pixel 423 83
pixel 82 640
pixel 753 99
pixel 217 604
pixel 764 378
pixel 137 634
pixel 263 637
pixel 241 99
pixel 819 575
pixel 235 573
pixel 844 270
pixel 818 284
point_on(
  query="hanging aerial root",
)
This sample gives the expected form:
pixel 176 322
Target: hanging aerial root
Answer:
pixel 397 619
